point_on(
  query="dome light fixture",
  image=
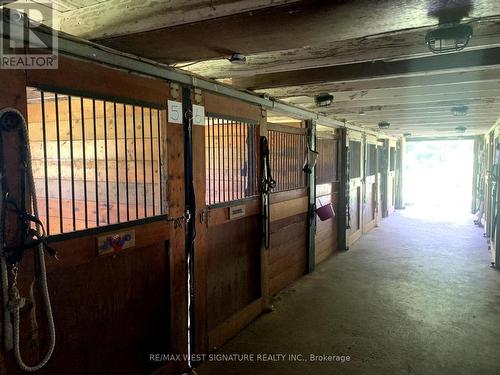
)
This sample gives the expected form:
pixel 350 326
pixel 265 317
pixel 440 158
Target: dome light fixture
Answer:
pixel 459 110
pixel 460 129
pixel 448 38
pixel 323 100
pixel 238 58
pixel 383 125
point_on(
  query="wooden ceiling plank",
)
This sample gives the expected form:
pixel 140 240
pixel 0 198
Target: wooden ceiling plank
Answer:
pixel 493 97
pixel 121 17
pixel 477 76
pixel 469 87
pixel 437 64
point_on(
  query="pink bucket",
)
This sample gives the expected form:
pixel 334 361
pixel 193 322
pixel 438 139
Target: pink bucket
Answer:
pixel 325 212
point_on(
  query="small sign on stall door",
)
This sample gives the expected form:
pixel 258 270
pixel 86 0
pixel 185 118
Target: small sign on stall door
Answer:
pixel 198 115
pixel 174 112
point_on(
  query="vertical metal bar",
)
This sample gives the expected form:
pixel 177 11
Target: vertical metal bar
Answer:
pixel 106 159
pixel 70 121
pixel 116 166
pixel 160 160
pixel 231 176
pixel 250 158
pixel 144 164
pixel 253 155
pixel 213 156
pixel 152 159
pixel 96 173
pixel 295 158
pixel 58 139
pixel 84 165
pixel 126 159
pixel 218 158
pixel 223 162
pixel 240 161
pixel 293 142
pixel 45 166
pixel 282 161
pixel 245 145
pixel 288 148
pixel 209 152
pixel 135 165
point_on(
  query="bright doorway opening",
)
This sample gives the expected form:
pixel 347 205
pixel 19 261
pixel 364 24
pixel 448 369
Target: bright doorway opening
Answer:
pixel 438 179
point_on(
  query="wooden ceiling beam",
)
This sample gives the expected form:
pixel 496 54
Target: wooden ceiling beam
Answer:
pixel 445 105
pixel 492 96
pixel 304 23
pixel 470 87
pixel 437 64
pixel 476 77
pixel 402 45
pixel 121 17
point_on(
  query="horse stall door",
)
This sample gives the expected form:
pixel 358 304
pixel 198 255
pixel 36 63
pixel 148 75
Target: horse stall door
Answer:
pixel 380 184
pixel 228 274
pixel 97 155
pixel 355 188
pixel 371 191
pixel 327 186
pixel 289 201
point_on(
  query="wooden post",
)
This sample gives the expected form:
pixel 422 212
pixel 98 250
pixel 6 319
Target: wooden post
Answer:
pixel 384 176
pixel 343 191
pixel 400 174
pixel 311 193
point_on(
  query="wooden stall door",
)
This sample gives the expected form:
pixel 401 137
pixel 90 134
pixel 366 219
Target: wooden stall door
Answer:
pixel 391 177
pixel 371 189
pixel 228 255
pixel 288 253
pixel 356 187
pixel 111 305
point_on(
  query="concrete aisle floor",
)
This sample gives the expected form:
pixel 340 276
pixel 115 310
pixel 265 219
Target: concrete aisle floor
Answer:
pixel 410 297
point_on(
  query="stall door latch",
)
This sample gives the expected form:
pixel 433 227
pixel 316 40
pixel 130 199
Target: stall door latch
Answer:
pixel 205 216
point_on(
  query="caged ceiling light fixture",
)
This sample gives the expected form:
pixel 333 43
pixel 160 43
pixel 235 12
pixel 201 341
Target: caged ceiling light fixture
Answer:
pixel 459 110
pixel 448 38
pixel 323 100
pixel 237 58
pixel 383 125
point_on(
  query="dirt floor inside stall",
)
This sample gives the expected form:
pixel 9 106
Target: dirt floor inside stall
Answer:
pixel 411 297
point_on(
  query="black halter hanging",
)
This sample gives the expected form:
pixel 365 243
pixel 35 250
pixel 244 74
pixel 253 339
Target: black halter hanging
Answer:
pixel 268 183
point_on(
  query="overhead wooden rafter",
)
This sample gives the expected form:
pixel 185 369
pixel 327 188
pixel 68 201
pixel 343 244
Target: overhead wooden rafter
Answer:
pixel 370 55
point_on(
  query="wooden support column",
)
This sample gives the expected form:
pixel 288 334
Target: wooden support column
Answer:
pixel 311 194
pixel 343 191
pixel 400 174
pixel 13 95
pixel 384 179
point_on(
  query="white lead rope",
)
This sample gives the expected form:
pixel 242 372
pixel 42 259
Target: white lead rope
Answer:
pixel 15 302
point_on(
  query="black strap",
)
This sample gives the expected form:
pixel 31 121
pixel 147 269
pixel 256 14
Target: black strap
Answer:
pixel 268 183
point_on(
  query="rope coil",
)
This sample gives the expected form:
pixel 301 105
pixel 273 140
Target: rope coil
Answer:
pixel 11 296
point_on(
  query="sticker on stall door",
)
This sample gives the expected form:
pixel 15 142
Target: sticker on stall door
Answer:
pixel 115 242
pixel 236 212
pixel 198 115
pixel 174 112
